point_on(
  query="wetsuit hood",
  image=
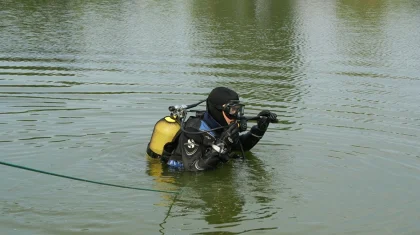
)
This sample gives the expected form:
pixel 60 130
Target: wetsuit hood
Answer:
pixel 216 99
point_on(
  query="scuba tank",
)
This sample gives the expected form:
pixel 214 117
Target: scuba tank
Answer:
pixel 167 130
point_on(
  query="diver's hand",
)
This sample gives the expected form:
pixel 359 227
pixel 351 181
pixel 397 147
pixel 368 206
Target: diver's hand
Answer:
pixel 227 139
pixel 231 135
pixel 272 117
pixel 263 122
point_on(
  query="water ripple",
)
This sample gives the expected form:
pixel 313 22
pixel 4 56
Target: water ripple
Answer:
pixel 82 84
pixel 48 110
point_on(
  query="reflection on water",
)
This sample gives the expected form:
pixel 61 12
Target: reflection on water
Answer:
pixel 83 82
pixel 218 195
pixel 255 47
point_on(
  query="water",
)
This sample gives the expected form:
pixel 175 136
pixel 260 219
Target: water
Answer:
pixel 83 82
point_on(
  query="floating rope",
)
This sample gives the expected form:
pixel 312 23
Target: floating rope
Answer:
pixel 84 180
pixel 161 225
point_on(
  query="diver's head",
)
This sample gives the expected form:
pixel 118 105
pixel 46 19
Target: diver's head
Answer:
pixel 224 106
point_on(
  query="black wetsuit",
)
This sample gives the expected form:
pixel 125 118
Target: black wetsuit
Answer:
pixel 194 150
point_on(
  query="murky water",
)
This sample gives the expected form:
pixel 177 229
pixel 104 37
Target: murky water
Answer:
pixel 83 82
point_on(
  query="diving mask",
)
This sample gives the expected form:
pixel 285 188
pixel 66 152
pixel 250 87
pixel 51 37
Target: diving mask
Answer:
pixel 234 109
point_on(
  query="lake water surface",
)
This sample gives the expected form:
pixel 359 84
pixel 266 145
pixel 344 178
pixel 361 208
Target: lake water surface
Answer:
pixel 82 84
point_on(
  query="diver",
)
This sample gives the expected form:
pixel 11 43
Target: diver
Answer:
pixel 208 139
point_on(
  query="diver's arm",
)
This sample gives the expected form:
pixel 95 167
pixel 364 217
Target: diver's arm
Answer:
pixel 215 151
pixel 198 152
pixel 209 160
pixel 249 139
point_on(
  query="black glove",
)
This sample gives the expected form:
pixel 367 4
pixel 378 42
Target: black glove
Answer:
pixel 263 123
pixel 272 117
pixel 265 118
pixel 228 137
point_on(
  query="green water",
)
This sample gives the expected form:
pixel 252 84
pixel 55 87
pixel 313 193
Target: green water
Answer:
pixel 83 82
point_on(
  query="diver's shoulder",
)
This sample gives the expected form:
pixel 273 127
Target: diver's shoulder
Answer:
pixel 193 122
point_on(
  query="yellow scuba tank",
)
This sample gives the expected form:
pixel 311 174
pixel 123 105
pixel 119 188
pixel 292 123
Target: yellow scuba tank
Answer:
pixel 165 131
